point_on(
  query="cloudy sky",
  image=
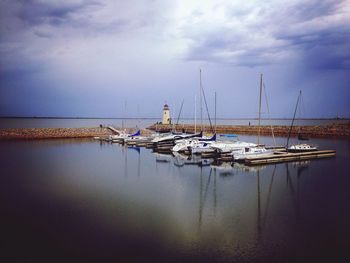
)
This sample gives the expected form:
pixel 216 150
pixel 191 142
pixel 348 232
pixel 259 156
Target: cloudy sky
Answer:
pixel 90 58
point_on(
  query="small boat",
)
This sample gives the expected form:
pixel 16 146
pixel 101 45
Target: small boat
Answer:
pixel 201 147
pixel 251 152
pixel 302 148
pixel 122 136
pixel 230 146
pixel 174 137
pixel 189 144
pixel 137 139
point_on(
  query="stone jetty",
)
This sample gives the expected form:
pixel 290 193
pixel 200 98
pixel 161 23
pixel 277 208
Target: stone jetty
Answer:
pixel 327 131
pixel 54 133
pixel 322 131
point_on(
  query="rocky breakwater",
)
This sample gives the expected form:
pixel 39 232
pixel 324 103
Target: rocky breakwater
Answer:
pixel 54 133
pixel 322 131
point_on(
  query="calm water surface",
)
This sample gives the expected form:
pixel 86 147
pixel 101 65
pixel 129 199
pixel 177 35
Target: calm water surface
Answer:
pixel 92 201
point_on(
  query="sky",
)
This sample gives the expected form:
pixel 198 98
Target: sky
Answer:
pixel 104 58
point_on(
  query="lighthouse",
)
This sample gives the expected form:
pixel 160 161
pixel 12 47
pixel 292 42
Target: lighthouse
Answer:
pixel 166 115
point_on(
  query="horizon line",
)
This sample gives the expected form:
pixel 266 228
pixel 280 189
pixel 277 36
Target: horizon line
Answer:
pixel 184 118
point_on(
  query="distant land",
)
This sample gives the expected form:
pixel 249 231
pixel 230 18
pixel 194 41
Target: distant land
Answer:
pixel 151 118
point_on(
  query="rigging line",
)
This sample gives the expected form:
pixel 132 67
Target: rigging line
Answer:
pixel 291 126
pixel 268 114
pixel 302 104
pixel 171 122
pixel 138 116
pixel 300 114
pixel 206 106
pixel 178 117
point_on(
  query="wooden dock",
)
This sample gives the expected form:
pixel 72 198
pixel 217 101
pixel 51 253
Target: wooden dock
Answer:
pixel 279 157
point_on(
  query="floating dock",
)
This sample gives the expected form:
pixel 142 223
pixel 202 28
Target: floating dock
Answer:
pixel 279 157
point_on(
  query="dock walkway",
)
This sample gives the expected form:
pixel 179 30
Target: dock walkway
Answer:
pixel 279 157
pixel 114 129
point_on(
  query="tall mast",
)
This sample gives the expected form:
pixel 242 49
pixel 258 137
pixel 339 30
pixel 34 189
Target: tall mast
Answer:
pixel 124 116
pixel 195 114
pixel 215 112
pixel 295 111
pixel 200 97
pixel 259 108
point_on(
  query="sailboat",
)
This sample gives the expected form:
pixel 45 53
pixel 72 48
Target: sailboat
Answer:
pixel 204 145
pixel 253 151
pixel 123 135
pixel 298 147
pixel 199 144
pixel 193 143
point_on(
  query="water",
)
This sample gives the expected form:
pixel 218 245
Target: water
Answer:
pixel 145 122
pixel 86 200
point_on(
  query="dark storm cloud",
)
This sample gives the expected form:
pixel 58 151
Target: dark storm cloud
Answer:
pixel 328 49
pixel 316 32
pixel 307 10
pixel 37 12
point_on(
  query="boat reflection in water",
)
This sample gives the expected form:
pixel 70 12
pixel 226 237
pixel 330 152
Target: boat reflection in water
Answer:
pixel 85 200
pixel 241 199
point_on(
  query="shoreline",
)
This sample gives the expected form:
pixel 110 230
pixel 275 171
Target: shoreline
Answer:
pixel 328 131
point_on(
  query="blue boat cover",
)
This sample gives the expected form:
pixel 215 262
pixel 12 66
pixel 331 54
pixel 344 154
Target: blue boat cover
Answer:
pixel 138 133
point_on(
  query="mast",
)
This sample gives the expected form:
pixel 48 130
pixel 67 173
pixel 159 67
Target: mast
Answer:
pixel 260 108
pixel 291 126
pixel 195 114
pixel 268 113
pixel 124 117
pixel 138 117
pixel 200 97
pixel 178 117
pixel 206 106
pixel 215 112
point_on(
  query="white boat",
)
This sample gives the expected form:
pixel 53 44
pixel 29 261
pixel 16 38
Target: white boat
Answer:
pixel 122 136
pixel 182 145
pixel 174 137
pixel 137 139
pixel 231 146
pixel 201 147
pixel 250 152
pixel 189 144
pixel 302 148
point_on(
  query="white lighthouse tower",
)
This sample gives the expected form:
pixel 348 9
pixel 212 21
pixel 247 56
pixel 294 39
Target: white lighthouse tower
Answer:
pixel 166 115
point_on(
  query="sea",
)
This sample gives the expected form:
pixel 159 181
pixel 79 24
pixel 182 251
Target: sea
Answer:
pixel 82 200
